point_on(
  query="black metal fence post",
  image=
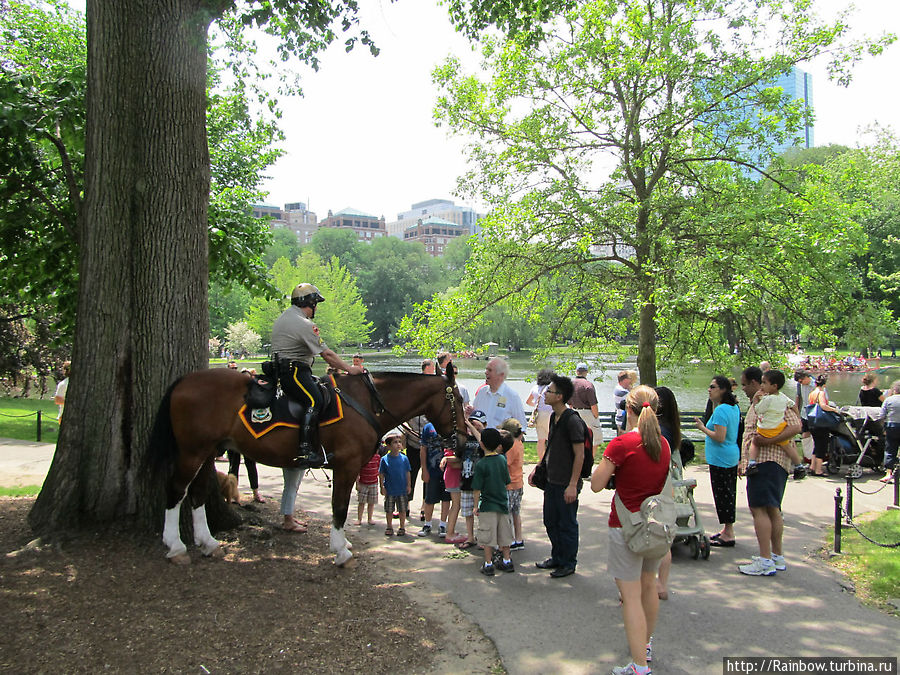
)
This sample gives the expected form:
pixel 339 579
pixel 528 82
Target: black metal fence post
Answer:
pixel 837 520
pixel 897 485
pixel 849 498
pixel 38 426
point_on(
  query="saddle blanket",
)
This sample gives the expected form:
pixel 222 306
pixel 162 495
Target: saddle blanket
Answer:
pixel 284 413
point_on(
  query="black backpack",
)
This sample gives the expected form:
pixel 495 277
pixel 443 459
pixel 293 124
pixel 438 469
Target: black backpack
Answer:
pixel 588 464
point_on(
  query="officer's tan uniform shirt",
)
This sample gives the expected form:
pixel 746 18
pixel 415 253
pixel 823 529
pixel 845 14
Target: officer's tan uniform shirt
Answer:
pixel 296 337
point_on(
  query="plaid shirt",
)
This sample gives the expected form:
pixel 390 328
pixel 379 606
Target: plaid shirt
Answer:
pixel 767 453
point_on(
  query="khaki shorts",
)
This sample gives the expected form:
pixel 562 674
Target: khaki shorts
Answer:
pixel 494 529
pixel 542 424
pixel 593 424
pixel 623 564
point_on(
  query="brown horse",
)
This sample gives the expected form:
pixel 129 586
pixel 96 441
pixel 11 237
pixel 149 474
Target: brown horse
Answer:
pixel 198 420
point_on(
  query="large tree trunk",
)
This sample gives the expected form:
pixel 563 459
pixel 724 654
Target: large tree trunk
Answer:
pixel 142 299
pixel 646 360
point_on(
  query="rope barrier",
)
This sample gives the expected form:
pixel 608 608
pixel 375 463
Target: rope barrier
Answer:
pixel 17 416
pixel 867 538
pixel 874 492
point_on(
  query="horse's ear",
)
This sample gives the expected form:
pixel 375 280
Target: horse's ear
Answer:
pixel 448 371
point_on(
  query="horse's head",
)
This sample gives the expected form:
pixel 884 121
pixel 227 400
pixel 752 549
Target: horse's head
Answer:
pixel 445 409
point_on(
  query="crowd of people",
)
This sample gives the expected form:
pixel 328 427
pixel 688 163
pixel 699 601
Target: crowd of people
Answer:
pixel 481 484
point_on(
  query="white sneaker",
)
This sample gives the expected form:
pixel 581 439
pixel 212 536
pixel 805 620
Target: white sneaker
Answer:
pixel 778 561
pixel 630 669
pixel 425 531
pixel 442 531
pixel 758 567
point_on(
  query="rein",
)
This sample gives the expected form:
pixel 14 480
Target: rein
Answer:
pixel 379 407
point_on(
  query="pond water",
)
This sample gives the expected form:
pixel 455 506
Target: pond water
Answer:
pixel 689 384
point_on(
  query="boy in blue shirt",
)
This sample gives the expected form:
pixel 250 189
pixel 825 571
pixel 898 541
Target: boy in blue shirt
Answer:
pixel 394 482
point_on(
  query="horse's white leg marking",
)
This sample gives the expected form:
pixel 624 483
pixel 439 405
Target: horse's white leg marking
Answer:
pixel 340 546
pixel 202 536
pixel 171 534
pixel 337 539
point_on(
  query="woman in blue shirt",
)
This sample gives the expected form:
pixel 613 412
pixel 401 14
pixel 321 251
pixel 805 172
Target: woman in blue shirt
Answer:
pixel 722 455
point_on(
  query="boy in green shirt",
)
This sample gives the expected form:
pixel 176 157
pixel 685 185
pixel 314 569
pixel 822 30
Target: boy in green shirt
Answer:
pixel 491 506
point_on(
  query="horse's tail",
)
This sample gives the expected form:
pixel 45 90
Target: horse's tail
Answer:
pixel 163 447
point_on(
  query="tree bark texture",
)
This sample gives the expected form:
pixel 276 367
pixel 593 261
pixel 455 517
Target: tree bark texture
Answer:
pixel 646 360
pixel 142 298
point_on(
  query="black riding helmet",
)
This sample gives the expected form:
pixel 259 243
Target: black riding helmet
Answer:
pixel 306 295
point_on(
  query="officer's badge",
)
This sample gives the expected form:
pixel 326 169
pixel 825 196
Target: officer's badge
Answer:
pixel 261 415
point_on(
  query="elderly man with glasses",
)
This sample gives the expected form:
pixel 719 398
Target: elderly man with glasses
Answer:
pixel 497 399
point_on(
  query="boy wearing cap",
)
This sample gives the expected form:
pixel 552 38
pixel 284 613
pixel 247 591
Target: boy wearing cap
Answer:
pixel 469 454
pixel 489 491
pixel 393 479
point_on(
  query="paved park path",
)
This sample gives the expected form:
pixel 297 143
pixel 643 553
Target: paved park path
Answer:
pixel 574 625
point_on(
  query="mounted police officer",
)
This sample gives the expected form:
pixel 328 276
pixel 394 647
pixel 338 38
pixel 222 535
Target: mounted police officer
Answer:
pixel 295 343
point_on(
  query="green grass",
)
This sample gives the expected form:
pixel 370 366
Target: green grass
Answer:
pixel 875 571
pixel 18 419
pixel 21 491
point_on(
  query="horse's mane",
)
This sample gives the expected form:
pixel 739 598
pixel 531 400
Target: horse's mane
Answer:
pixel 398 373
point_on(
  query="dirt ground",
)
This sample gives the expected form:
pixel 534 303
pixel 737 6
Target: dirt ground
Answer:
pixel 109 601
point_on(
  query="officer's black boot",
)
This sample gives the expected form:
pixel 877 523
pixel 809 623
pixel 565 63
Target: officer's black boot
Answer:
pixel 311 454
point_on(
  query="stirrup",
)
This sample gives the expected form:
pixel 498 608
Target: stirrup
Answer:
pixel 314 460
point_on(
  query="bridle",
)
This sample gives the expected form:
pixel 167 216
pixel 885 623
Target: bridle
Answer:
pixel 451 397
pixel 379 407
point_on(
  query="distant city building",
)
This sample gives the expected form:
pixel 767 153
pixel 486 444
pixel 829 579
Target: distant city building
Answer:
pixel 301 221
pixel 266 211
pixel 293 216
pixel 366 226
pixel 445 209
pixel 434 233
pixel 798 86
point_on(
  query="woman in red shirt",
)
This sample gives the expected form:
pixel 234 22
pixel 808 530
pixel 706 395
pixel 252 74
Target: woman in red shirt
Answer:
pixel 640 459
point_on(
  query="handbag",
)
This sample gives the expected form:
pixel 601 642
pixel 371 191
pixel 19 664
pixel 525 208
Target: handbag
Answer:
pixel 818 418
pixel 540 474
pixel 650 531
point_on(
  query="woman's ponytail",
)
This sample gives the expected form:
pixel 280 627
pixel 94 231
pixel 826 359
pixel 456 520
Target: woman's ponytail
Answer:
pixel 644 402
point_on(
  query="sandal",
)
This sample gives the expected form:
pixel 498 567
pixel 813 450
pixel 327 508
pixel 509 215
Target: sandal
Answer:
pixel 259 499
pixel 294 527
pixel 465 545
pixel 401 532
pixel 389 531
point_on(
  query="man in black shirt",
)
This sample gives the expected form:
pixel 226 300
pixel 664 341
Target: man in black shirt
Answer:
pixel 564 458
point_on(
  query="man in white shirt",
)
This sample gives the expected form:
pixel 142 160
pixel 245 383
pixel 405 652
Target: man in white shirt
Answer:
pixel 61 389
pixel 497 399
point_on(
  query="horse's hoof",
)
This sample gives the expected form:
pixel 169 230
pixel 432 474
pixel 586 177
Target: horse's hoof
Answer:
pixel 342 557
pixel 180 559
pixel 217 552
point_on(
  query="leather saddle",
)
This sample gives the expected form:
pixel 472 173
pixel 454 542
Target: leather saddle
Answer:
pixel 264 409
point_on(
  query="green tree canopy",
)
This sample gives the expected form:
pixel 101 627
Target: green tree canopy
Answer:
pixel 43 62
pixel 616 154
pixel 341 318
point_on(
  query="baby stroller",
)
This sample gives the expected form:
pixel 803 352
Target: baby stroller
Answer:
pixel 857 442
pixel 690 528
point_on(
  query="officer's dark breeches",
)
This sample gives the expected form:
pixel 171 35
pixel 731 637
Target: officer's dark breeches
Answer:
pixel 298 382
